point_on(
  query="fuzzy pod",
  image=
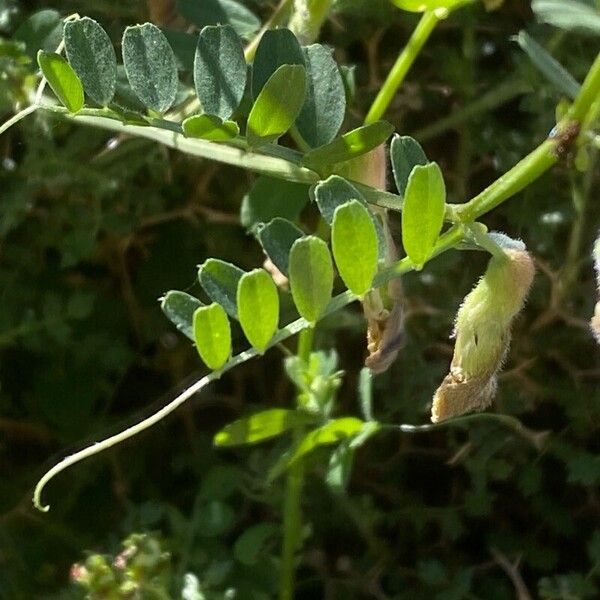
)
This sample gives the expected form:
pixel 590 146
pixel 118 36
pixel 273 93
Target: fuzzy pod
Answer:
pixel 482 331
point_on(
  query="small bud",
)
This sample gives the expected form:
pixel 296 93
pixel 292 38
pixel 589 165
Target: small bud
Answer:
pixel 482 331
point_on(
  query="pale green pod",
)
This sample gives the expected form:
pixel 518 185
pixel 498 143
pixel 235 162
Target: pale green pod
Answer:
pixel 482 332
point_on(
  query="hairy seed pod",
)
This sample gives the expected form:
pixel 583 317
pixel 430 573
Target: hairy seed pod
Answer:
pixel 482 331
pixel 595 321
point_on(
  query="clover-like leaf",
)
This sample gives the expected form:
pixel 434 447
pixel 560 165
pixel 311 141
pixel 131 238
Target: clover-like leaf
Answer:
pixel 405 154
pixel 277 238
pixel 179 308
pixel 210 127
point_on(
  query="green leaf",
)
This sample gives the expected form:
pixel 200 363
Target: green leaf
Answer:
pixel 252 544
pixel 568 14
pixel 209 127
pixel 179 308
pixel 41 31
pixel 260 427
pixel 220 70
pixel 277 47
pixel 277 239
pixel 212 335
pixel 325 106
pixel 334 192
pixel 216 12
pixel 405 154
pixel 269 198
pixel 258 307
pixel 423 212
pixel 425 5
pixel 93 58
pixel 277 105
pixel 352 144
pixel 355 246
pixel 62 79
pixel 550 68
pixel 311 277
pixel 331 433
pixel 219 279
pixel 150 66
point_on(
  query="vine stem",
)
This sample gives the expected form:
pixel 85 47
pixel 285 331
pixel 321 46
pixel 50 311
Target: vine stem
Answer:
pixel 292 510
pixel 447 241
pixel 403 64
pixel 541 159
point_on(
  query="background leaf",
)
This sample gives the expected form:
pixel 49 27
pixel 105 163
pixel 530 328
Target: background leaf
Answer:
pixel 355 246
pixel 269 198
pixel 150 66
pixel 568 14
pixel 62 79
pixel 258 307
pixel 220 12
pixel 550 68
pixel 93 58
pixel 277 105
pixel 311 277
pixel 212 335
pixel 220 71
pixel 423 211
pixel 325 107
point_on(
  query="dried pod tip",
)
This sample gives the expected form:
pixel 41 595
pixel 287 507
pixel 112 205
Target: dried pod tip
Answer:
pixel 482 331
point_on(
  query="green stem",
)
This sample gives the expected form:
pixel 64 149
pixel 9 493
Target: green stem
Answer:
pixel 292 511
pixel 18 117
pixel 402 65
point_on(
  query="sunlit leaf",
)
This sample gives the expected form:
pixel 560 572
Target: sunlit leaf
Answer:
pixel 311 277
pixel 352 144
pixel 209 127
pixel 277 105
pixel 212 335
pixel 260 427
pixel 423 212
pixel 258 307
pixel 355 246
pixel 62 79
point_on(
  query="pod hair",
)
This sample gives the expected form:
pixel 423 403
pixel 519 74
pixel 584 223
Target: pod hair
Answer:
pixel 483 331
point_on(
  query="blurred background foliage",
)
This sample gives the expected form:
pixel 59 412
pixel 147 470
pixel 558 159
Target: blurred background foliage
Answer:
pixel 93 228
